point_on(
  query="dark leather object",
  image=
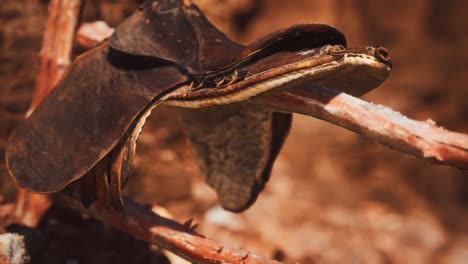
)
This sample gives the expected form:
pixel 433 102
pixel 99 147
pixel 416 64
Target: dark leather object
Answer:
pixel 83 129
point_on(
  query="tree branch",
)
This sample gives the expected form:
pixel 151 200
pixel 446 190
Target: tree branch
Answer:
pixel 424 140
pixel 57 46
pixel 177 238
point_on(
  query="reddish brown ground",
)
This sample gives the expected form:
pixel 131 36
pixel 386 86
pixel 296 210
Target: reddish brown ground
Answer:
pixel 333 196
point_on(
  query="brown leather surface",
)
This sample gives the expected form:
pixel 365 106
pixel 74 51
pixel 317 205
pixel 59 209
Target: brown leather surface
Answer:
pixel 193 42
pixel 84 117
pixel 235 147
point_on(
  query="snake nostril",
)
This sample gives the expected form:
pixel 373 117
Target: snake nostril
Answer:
pixel 382 54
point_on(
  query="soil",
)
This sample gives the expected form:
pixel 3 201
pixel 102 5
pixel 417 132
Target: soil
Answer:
pixel 334 196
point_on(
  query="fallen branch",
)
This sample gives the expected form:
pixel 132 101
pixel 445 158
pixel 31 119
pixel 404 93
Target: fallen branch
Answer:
pixel 424 140
pixel 177 238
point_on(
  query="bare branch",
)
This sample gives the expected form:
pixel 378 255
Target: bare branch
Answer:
pixel 30 207
pixel 424 140
pixel 55 55
pixel 177 238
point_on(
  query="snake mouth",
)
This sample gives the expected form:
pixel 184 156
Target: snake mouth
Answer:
pixel 354 71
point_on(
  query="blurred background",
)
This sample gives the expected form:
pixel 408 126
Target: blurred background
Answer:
pixel 333 195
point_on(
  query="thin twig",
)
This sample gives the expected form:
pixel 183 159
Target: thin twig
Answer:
pixel 424 140
pixel 177 238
